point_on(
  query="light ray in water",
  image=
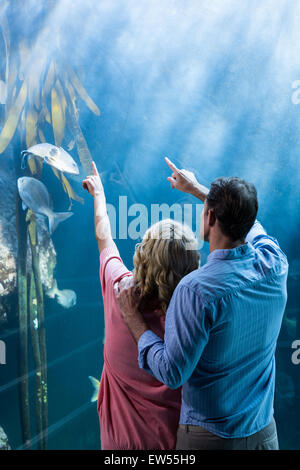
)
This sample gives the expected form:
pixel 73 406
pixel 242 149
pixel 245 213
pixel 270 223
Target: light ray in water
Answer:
pixel 159 47
pixel 65 357
pixel 59 424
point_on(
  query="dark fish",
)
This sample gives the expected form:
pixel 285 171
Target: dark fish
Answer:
pixel 35 196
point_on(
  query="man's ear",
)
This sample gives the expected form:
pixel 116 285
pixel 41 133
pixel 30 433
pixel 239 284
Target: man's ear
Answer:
pixel 211 217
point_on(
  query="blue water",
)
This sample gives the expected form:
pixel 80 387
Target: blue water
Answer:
pixel 207 83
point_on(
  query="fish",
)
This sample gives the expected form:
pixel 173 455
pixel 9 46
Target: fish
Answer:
pixel 67 298
pixel 96 385
pixel 36 197
pixel 53 156
pixel 294 269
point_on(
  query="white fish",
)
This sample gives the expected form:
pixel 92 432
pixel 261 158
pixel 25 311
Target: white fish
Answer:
pixel 67 298
pixel 34 195
pixel 96 385
pixel 54 156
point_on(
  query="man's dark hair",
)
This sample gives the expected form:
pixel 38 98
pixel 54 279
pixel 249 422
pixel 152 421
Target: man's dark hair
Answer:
pixel 235 205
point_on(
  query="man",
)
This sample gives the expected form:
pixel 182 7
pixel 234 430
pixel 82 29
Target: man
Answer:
pixel 222 324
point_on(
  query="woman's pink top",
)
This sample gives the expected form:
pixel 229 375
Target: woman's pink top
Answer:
pixel 135 410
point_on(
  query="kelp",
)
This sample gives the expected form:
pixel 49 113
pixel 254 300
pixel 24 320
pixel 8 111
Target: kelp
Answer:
pixel 23 57
pixel 23 322
pixel 58 112
pixel 43 93
pixel 31 123
pixel 34 333
pixel 14 114
pixel 71 144
pixel 31 127
pixel 11 82
pixel 49 80
pixel 6 38
pixel 67 187
pixel 40 324
pixel 49 92
pixel 83 93
pixel 81 144
pixel 41 136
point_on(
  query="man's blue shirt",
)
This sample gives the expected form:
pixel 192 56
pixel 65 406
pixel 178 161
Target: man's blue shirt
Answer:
pixel 221 330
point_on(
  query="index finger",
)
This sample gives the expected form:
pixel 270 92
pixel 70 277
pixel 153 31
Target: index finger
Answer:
pixel 95 171
pixel 171 165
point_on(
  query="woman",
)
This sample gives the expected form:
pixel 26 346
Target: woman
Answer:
pixel 135 410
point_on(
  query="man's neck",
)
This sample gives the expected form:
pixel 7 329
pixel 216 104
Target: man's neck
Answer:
pixel 223 243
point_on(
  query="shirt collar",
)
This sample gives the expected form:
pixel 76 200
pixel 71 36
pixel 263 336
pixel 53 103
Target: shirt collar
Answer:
pixel 234 253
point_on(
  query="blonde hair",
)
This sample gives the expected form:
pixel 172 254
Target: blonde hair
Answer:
pixel 167 253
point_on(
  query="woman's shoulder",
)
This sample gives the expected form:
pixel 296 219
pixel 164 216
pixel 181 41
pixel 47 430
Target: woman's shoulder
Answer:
pixel 112 267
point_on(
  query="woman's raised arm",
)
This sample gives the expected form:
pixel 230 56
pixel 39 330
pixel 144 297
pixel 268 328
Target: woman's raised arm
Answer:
pixel 93 185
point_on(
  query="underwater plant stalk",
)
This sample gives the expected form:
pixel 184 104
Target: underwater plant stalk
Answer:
pixel 23 322
pixel 41 323
pixel 34 330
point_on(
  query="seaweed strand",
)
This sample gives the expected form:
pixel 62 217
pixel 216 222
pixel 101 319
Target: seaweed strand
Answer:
pixel 34 330
pixel 40 323
pixel 23 322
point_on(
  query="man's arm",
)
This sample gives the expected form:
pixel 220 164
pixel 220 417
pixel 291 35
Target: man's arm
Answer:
pixel 173 360
pixel 255 231
pixel 268 245
pixel 94 186
pixel 185 181
pixel 258 237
